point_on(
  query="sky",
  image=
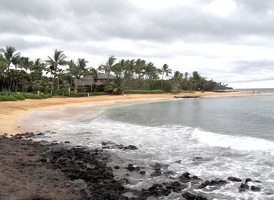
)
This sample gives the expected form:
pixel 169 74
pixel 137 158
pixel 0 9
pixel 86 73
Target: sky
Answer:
pixel 229 41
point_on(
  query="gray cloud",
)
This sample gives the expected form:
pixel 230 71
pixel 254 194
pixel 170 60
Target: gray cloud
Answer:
pixel 91 26
pixel 105 19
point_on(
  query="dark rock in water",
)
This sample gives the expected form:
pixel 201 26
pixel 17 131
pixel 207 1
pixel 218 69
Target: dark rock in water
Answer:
pixel 124 181
pixel 186 97
pixel 243 187
pixel 190 196
pixel 112 145
pixel 156 173
pixel 131 147
pixel 248 180
pixel 155 190
pixel 116 167
pixel 168 173
pixel 185 177
pixel 216 182
pixel 159 166
pixel 142 172
pixel 234 179
pixel 108 145
pixel 197 158
pixel 132 167
pixel 255 188
pixel 196 177
pixel 175 186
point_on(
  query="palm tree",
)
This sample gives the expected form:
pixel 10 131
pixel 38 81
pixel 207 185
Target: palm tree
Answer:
pixel 139 68
pixel 151 73
pixel 78 70
pixel 195 80
pixel 177 79
pixel 37 68
pixel 25 63
pixel 108 66
pixel 116 86
pixel 165 72
pixel 129 72
pixel 57 59
pixel 3 67
pixel 10 56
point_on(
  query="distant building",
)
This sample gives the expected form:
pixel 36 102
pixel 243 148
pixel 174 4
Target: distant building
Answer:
pixel 85 81
pixel 101 78
pixel 88 81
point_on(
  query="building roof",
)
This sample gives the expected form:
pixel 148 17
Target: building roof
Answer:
pixel 104 76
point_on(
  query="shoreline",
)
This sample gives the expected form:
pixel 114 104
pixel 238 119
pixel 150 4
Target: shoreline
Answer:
pixel 11 112
pixel 49 171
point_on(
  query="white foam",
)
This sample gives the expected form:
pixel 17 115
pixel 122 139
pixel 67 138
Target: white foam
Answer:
pixel 234 142
pixel 222 155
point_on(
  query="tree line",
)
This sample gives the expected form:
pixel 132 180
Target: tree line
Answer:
pixel 58 73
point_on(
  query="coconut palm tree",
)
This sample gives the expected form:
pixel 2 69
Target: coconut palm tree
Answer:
pixel 129 72
pixel 195 80
pixel 177 79
pixel 10 55
pixel 116 86
pixel 108 66
pixel 58 58
pixel 78 70
pixel 25 63
pixel 37 68
pixel 165 72
pixel 150 73
pixel 3 67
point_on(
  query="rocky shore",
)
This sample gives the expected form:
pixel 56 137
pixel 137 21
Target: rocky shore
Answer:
pixel 32 170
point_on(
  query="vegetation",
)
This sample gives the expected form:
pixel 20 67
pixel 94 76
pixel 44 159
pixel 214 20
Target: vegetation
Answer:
pixel 58 76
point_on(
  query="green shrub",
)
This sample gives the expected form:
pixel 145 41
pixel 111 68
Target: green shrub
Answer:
pixel 79 94
pixel 7 98
pixel 5 93
pixel 98 88
pixel 98 93
pixel 187 91
pixel 86 94
pixel 19 96
pixel 45 96
pixel 166 85
pixel 46 90
pixel 31 96
pixel 143 91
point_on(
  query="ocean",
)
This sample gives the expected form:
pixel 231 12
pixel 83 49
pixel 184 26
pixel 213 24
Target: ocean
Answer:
pixel 214 137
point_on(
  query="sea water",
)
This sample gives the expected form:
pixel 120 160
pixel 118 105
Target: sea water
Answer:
pixel 207 137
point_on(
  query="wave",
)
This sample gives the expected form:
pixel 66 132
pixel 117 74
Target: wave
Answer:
pixel 231 141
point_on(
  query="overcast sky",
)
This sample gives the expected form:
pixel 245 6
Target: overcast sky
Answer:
pixel 230 41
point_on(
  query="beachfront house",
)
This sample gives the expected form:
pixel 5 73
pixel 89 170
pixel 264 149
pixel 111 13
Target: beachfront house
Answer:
pixel 101 78
pixel 88 81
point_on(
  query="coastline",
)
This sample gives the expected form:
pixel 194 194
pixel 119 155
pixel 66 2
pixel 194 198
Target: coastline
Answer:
pixel 11 112
pixel 48 171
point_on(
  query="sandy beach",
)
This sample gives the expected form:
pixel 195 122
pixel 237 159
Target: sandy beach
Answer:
pixel 11 112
